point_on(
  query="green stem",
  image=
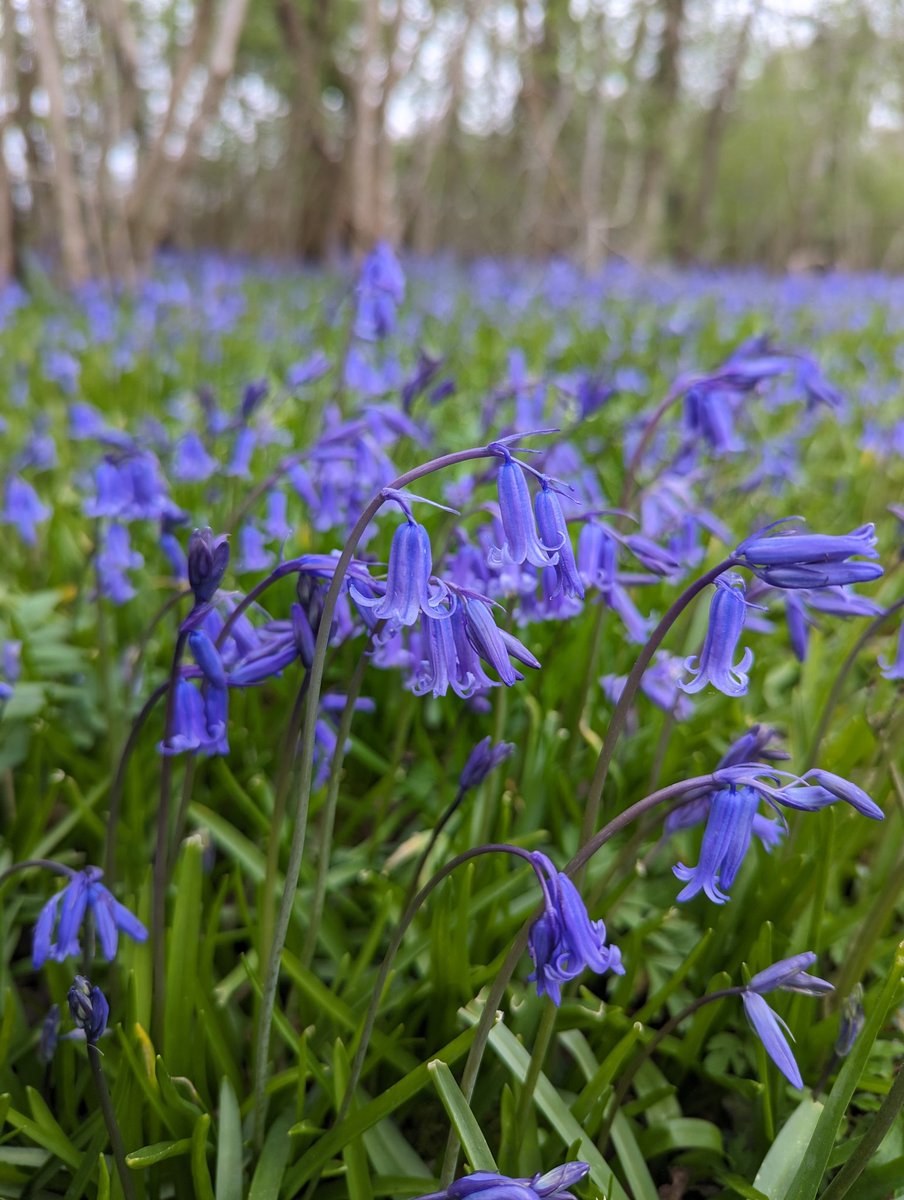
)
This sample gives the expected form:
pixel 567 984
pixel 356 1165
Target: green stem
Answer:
pixel 161 853
pixel 870 1142
pixel 623 707
pixel 542 1040
pixel 328 815
pixel 646 1052
pixel 684 791
pixel 839 681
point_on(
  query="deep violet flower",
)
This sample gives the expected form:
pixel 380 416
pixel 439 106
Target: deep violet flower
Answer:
pixel 23 508
pixel 563 941
pixel 82 894
pixel 715 663
pixel 115 559
pixel 494 645
pixel 381 289
pixel 789 975
pixel 894 668
pixel 208 558
pixel 553 529
pixel 790 559
pixel 487 1185
pixel 484 758
pixel 522 542
pixel 89 1008
pixel 410 588
pixel 726 839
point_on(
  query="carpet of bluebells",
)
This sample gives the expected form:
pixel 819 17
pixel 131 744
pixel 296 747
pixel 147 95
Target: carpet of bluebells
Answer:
pixel 450 739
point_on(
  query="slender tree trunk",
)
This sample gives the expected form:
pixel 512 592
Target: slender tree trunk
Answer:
pixel 70 226
pixel 7 94
pixel 365 201
pixel 714 127
pixel 663 93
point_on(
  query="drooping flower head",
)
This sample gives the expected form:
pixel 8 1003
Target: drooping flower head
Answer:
pixel 790 975
pixel 790 559
pixel 82 894
pixel 522 542
pixel 553 530
pixel 488 1185
pixel 726 839
pixel 563 941
pixel 411 590
pixel 715 663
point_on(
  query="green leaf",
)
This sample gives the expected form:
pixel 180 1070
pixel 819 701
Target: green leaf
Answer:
pixel 634 1165
pixel 354 1153
pixel 203 1189
pixel 781 1162
pixel 229 1145
pixel 50 1137
pixel 816 1155
pixel 683 1133
pixel 475 1145
pixel 271 1166
pixel 149 1156
pixel 369 1114
pixel 554 1108
pixel 179 1029
pixel 103 1179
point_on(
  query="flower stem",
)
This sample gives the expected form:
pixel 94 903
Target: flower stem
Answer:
pixel 622 708
pixel 306 768
pixel 685 790
pixel 835 694
pixel 646 1052
pixel 328 815
pixel 106 1106
pixel 161 853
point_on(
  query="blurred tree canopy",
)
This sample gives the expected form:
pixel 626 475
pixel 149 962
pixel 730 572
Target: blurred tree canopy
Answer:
pixel 714 131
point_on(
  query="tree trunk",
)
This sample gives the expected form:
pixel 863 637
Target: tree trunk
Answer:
pixel 714 127
pixel 661 98
pixel 71 229
pixel 365 199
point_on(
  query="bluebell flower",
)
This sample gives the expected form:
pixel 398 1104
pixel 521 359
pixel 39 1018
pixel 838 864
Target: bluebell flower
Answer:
pixel 39 452
pixel 380 291
pixel 789 559
pixel 276 527
pixel 307 370
pixel 208 558
pixel 522 542
pixel 115 559
pixel 494 645
pixel 208 658
pixel 254 394
pixel 563 941
pixel 788 975
pixel 410 587
pixel 441 665
pixel 189 727
pixel 771 1030
pixel 715 663
pixel 842 789
pixel 89 1008
pixel 254 557
pixel 487 1185
pixel 239 465
pixel 423 376
pixel 23 508
pixel 483 759
pixel 191 462
pixel 726 839
pixel 83 893
pixel 553 529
